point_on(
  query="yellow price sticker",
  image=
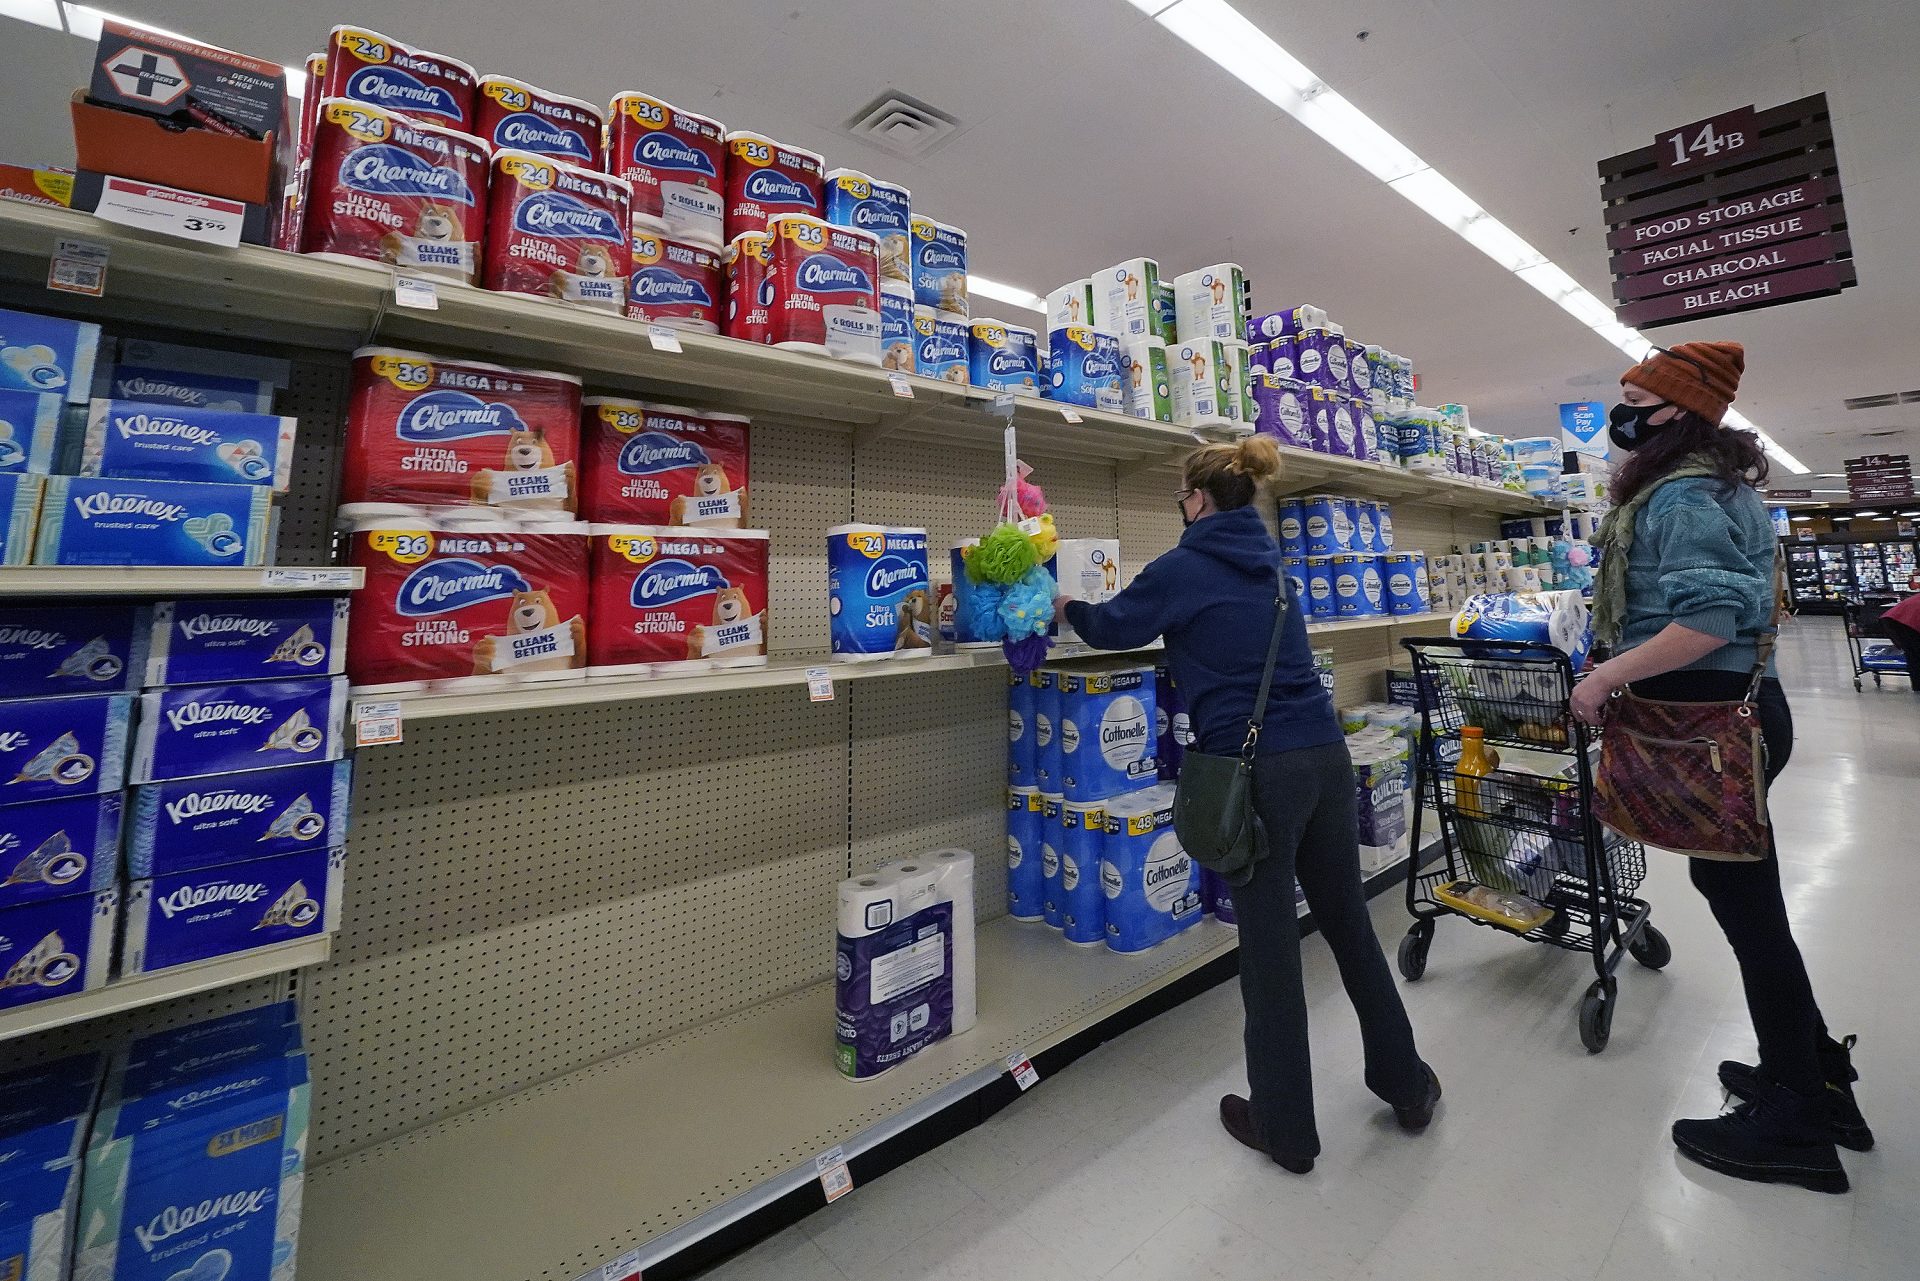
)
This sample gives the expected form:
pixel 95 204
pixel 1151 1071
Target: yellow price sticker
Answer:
pixel 407 546
pixel 528 171
pixel 645 111
pixel 868 545
pixel 625 419
pixel 369 124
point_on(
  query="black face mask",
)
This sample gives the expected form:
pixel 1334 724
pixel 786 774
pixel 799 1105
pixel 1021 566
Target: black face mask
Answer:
pixel 1628 428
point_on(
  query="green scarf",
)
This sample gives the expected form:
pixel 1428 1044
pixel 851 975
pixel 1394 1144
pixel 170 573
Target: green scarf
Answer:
pixel 1616 542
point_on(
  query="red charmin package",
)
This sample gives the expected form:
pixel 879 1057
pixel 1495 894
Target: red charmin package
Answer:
pixel 749 255
pixel 474 604
pixel 369 67
pixel 766 179
pixel 386 188
pixel 512 113
pixel 675 282
pixel 644 464
pixel 676 161
pixel 824 291
pixel 676 598
pixel 430 431
pixel 556 230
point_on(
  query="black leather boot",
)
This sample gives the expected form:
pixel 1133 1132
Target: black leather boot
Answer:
pixel 1850 1129
pixel 1777 1136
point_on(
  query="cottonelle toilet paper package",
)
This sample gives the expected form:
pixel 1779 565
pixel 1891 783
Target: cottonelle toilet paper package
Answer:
pixel 1048 766
pixel 1083 826
pixel 893 970
pixel 1151 884
pixel 1052 837
pixel 1025 876
pixel 1021 751
pixel 1106 732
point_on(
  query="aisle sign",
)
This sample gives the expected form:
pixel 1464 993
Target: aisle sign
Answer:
pixel 1583 427
pixel 1782 495
pixel 1876 477
pixel 211 220
pixel 835 1179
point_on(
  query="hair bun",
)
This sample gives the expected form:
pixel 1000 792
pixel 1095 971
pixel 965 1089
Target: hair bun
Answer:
pixel 1258 458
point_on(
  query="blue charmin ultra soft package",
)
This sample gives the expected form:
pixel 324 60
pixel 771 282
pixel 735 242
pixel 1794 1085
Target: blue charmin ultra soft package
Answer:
pixel 194 642
pixel 200 822
pixel 29 430
pixel 86 520
pixel 193 730
pixel 236 907
pixel 56 946
pixel 48 649
pixel 52 848
pixel 46 353
pixel 20 494
pixel 134 440
pixel 72 746
pixel 200 1182
pixel 190 389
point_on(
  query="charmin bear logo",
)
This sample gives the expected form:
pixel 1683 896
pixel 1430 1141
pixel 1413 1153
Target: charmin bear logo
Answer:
pixel 668 582
pixel 770 186
pixel 383 169
pixel 388 86
pixel 651 452
pixel 455 415
pixel 664 151
pixel 440 587
pixel 530 132
pixel 559 216
pixel 663 286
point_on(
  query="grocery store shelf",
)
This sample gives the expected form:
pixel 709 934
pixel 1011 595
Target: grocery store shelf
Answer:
pixel 145 989
pixel 1384 620
pixel 171 580
pixel 1303 471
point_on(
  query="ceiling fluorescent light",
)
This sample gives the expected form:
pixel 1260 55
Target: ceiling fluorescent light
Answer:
pixel 41 13
pixel 82 21
pixel 1006 293
pixel 1453 209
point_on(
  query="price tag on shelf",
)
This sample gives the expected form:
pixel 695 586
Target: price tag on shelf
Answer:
pixel 1003 404
pixel 1069 415
pixel 1023 1074
pixel 189 215
pixel 820 684
pixel 835 1179
pixel 412 291
pixel 78 267
pixel 317 579
pixel 376 731
pixel 664 338
pixel 901 387
pixel 375 711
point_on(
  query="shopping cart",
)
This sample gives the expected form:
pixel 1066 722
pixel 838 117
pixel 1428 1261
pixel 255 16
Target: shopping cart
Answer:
pixel 1522 848
pixel 1863 631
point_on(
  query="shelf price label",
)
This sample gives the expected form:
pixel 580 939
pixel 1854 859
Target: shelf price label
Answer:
pixel 1069 415
pixel 835 1179
pixel 414 292
pixel 820 684
pixel 1023 1073
pixel 376 724
pixel 189 215
pixel 901 387
pixel 664 338
pixel 78 267
pixel 317 579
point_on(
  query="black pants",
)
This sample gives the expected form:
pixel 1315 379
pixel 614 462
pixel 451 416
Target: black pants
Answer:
pixel 1749 905
pixel 1305 801
pixel 1908 642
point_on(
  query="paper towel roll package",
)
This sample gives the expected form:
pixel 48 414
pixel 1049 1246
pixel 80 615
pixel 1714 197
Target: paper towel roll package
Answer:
pixel 1106 732
pixel 1195 367
pixel 1211 303
pixel 1025 878
pixel 1152 886
pixel 880 595
pixel 1049 768
pixel 53 848
pixel 1052 838
pixel 1071 305
pixel 1126 302
pixel 72 746
pixel 1146 387
pixel 1086 569
pixel 1022 750
pixel 1083 828
pixel 48 649
pixel 893 971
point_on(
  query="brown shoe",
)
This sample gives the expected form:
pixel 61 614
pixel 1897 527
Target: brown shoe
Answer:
pixel 1236 1118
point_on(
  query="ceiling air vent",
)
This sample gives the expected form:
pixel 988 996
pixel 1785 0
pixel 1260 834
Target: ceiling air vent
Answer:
pixel 902 125
pixel 1882 401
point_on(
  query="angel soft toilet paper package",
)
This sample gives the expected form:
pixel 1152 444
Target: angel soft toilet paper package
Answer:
pixel 195 642
pixel 48 649
pixel 193 730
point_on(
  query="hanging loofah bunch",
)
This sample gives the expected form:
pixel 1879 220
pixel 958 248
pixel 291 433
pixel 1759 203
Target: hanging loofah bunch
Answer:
pixel 1012 593
pixel 1003 557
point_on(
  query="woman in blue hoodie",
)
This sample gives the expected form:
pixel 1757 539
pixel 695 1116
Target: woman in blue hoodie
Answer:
pixel 1212 598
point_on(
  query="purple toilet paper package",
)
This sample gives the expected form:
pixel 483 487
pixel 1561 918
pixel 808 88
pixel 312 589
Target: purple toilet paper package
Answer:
pixel 72 746
pixel 196 642
pixel 49 849
pixel 235 907
pixel 895 991
pixel 49 649
pixel 1283 405
pixel 56 947
pixel 226 818
pixel 192 730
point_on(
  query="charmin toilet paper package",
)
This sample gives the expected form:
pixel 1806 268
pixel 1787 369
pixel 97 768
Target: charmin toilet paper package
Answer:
pixel 1086 569
pixel 899 341
pixel 1052 837
pixel 747 260
pixel 1146 388
pixel 1085 368
pixel 48 354
pixel 1026 878
pixel 395 189
pixel 179 824
pixel 939 266
pixel 676 599
pixel 182 917
pixel 88 521
pixel 940 345
pixel 57 946
pixel 1106 732
pixel 1083 828
pixel 675 282
pixel 472 605
pixel 1126 303
pixel 765 179
pixel 193 730
pixel 1210 303
pixel 511 114
pixel 1021 749
pixel 53 848
pixel 371 68
pixel 70 746
pixel 646 464
pixel 1560 619
pixel 29 430
pixel 1003 357
pixel 1197 369
pixel 894 970
pixel 884 208
pixel 52 648
pixel 557 230
pixel 880 595
pixel 199 641
pixel 1151 884
pixel 824 293
pixel 675 161
pixel 431 431
pixel 134 440
pixel 1071 305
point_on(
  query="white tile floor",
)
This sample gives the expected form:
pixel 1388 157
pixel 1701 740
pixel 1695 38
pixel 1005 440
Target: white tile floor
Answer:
pixel 1545 1162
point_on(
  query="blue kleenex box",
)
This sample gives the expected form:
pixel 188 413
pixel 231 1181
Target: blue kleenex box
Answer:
pixel 53 848
pixel 221 729
pixel 71 649
pixel 73 746
pixel 197 641
pixel 20 494
pixel 190 1184
pixel 199 822
pixel 190 389
pixel 177 1042
pixel 134 440
pixel 29 430
pixel 56 946
pixel 236 907
pixel 45 353
pixel 85 520
pixel 37 1206
pixel 61 1087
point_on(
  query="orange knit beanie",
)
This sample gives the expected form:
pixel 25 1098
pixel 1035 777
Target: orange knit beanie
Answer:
pixel 1701 376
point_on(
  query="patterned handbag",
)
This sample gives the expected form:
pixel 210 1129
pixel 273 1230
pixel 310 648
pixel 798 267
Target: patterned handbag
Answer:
pixel 1689 777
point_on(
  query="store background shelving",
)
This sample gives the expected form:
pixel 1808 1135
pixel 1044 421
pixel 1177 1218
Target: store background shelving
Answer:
pixel 163 580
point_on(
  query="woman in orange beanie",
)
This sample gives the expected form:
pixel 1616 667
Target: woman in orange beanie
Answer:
pixel 1684 593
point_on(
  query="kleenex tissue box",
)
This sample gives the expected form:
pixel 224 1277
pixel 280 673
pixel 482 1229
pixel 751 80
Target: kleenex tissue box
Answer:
pixel 220 729
pixel 265 638
pixel 198 1039
pixel 49 648
pixel 46 353
pixel 53 848
pixel 198 1182
pixel 72 746
pixel 189 388
pixel 20 494
pixel 236 907
pixel 56 947
pixel 134 440
pixel 29 430
pixel 89 521
pixel 37 1204
pixel 200 822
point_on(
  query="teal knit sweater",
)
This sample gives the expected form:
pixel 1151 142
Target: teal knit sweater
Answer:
pixel 1702 558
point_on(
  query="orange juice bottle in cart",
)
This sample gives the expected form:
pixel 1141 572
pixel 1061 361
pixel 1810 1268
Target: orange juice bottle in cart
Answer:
pixel 1477 760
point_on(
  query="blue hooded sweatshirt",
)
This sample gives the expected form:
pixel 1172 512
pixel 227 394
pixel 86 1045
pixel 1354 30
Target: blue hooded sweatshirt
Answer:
pixel 1212 598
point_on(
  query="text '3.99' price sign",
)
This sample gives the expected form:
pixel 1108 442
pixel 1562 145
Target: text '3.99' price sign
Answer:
pixel 189 215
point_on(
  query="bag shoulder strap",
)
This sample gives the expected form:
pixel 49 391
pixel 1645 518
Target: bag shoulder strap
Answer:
pixel 1266 676
pixel 1763 647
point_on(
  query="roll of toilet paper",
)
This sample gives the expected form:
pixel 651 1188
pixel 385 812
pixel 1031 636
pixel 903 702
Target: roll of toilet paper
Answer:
pixel 955 869
pixel 1560 619
pixel 1025 886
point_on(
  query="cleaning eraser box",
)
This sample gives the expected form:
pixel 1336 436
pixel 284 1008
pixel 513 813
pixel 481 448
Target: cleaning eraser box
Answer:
pixel 179 824
pixel 135 440
pixel 192 730
pixel 181 917
pixel 49 648
pixel 72 746
pixel 88 521
pixel 192 642
pixel 647 464
pixel 676 599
